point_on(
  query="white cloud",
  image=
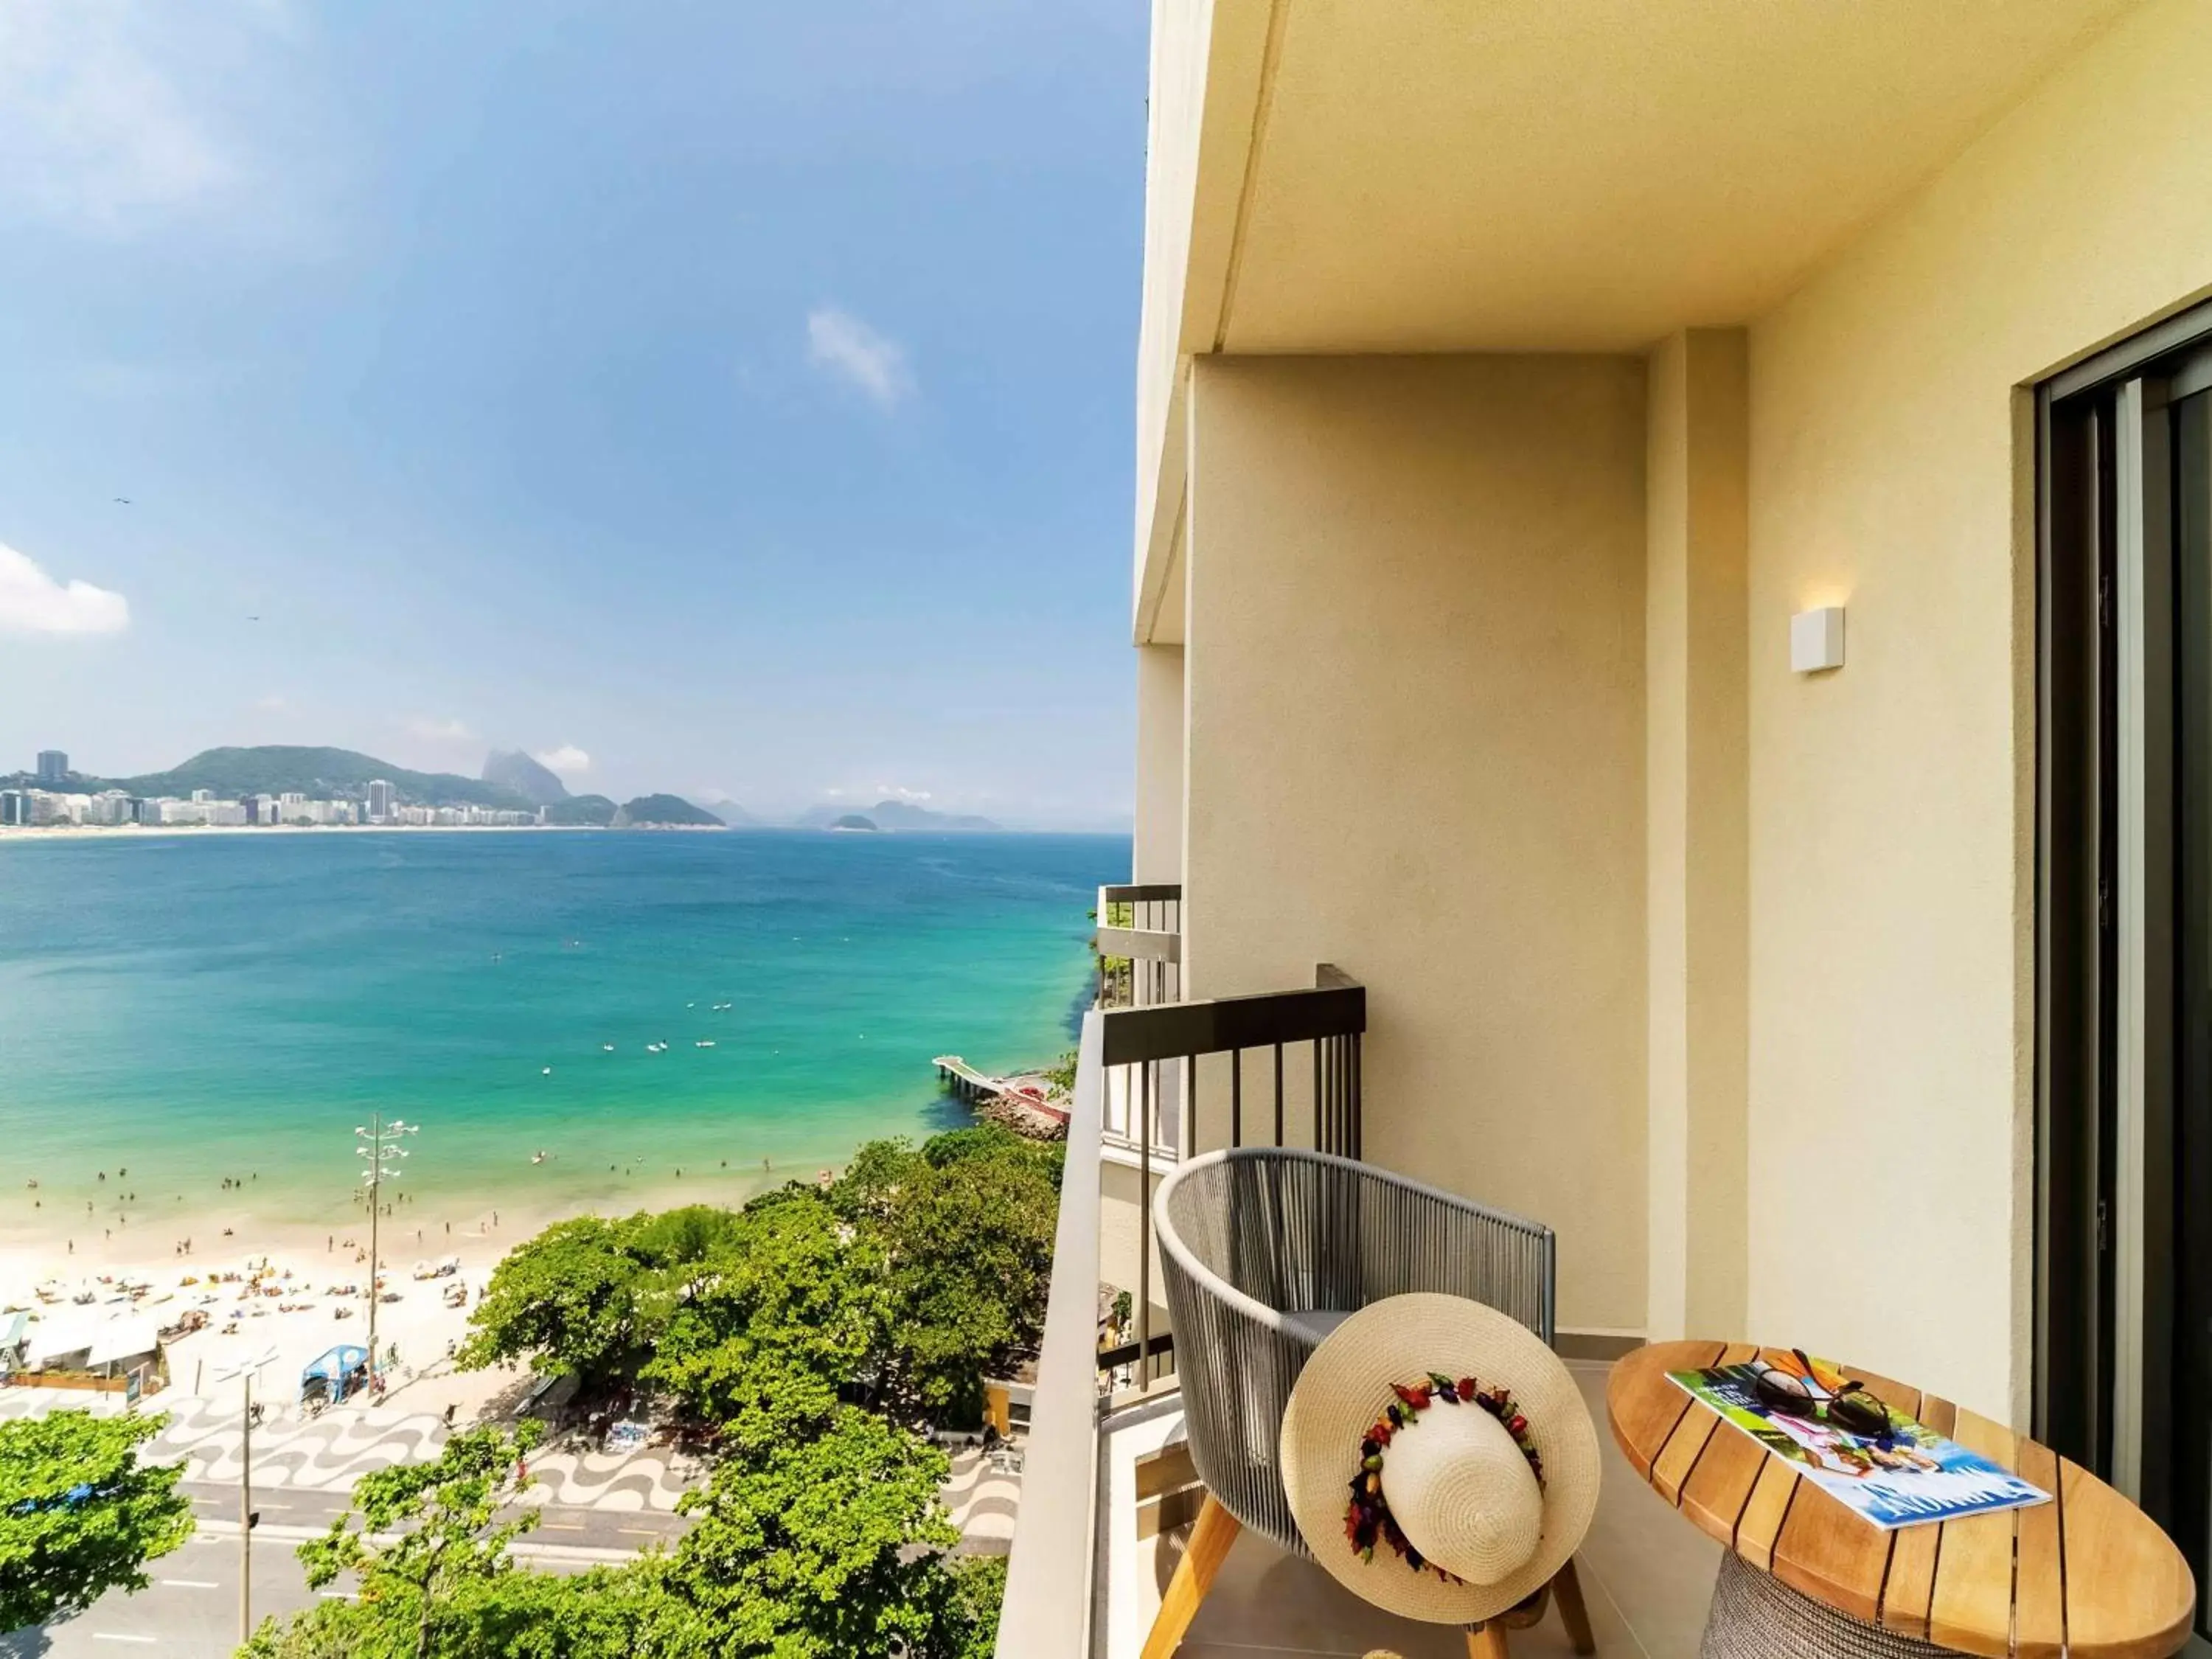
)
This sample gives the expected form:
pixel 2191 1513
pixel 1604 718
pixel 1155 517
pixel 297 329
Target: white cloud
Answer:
pixel 842 343
pixel 274 702
pixel 32 602
pixel 568 760
pixel 898 792
pixel 435 731
pixel 98 129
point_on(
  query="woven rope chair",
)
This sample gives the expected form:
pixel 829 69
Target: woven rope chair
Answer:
pixel 1263 1252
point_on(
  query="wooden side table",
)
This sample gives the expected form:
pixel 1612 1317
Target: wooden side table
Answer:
pixel 2087 1575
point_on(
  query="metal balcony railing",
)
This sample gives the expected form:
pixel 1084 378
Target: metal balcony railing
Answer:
pixel 1138 945
pixel 1281 1068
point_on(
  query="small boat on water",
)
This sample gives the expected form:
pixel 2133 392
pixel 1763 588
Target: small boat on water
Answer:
pixel 548 1071
pixel 608 1047
pixel 704 1042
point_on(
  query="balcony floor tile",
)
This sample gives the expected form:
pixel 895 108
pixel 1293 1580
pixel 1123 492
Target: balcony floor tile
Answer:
pixel 1646 1574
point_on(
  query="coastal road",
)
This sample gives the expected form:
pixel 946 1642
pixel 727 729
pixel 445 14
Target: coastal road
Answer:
pixel 190 1610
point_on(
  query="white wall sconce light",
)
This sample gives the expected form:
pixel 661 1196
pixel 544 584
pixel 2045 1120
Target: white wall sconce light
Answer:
pixel 1816 640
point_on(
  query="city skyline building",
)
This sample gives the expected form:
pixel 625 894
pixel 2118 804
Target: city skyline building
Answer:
pixel 53 767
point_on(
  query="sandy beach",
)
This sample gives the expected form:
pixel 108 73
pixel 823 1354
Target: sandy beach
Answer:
pixel 305 1264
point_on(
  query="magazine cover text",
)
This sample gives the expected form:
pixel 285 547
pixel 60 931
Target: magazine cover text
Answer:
pixel 1880 1463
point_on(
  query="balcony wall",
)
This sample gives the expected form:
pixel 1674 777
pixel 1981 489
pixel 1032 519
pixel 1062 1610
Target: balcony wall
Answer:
pixel 1892 851
pixel 1414 689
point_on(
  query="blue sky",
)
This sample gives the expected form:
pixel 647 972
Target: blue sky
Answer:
pixel 736 395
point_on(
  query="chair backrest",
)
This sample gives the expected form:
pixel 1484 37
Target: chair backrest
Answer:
pixel 1253 1238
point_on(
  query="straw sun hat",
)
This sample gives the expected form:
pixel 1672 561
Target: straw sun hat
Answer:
pixel 1489 1512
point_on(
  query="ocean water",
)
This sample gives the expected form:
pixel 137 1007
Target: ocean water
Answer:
pixel 189 1008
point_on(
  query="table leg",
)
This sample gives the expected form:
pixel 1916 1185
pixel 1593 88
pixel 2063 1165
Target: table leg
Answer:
pixel 1756 1616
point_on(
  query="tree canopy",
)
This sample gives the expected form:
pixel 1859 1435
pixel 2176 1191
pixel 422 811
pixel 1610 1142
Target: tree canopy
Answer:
pixel 813 1329
pixel 915 1276
pixel 827 1547
pixel 80 1514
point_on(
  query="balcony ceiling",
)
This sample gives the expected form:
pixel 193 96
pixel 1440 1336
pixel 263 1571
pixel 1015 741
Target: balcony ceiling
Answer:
pixel 1572 174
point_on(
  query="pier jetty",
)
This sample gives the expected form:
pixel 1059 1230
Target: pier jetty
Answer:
pixel 1021 1102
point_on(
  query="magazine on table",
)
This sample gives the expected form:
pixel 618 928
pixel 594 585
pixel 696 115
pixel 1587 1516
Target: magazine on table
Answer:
pixel 1878 1463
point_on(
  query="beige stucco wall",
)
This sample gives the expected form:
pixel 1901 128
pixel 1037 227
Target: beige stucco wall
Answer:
pixel 1157 855
pixel 1891 855
pixel 1414 678
pixel 1698 932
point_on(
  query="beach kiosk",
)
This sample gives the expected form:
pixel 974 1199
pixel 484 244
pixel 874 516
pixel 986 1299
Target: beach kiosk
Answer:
pixel 15 1335
pixel 334 1375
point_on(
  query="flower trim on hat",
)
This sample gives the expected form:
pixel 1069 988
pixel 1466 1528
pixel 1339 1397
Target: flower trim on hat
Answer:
pixel 1367 1518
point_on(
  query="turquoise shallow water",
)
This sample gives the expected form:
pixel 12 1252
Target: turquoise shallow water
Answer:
pixel 189 1008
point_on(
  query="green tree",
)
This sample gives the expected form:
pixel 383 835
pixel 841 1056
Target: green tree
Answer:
pixel 978 1588
pixel 994 1143
pixel 565 1301
pixel 1059 1076
pixel 81 1513
pixel 793 1307
pixel 588 1298
pixel 829 1548
pixel 424 1542
pixel 968 1244
pixel 607 1613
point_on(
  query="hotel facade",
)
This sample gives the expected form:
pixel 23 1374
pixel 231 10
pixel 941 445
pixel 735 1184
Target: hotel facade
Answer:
pixel 1673 554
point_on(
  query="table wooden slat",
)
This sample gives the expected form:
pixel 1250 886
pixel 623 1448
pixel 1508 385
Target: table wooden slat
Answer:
pixel 1717 1489
pixel 1768 1507
pixel 1972 1610
pixel 1912 1582
pixel 1912 1563
pixel 2039 1613
pixel 1694 1435
pixel 1938 1413
pixel 1831 1555
pixel 1683 1449
pixel 1643 1407
pixel 2129 1593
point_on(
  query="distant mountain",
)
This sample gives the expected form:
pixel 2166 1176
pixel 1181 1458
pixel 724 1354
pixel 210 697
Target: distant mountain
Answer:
pixel 898 815
pixel 852 821
pixel 513 770
pixel 730 812
pixel 286 768
pixel 649 810
pixel 595 810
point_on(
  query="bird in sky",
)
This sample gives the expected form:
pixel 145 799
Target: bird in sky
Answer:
pixel 123 500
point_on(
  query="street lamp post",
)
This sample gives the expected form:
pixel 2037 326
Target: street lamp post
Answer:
pixel 245 1370
pixel 379 1146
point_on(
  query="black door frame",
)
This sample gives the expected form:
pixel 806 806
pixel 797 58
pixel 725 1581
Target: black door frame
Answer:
pixel 2117 1337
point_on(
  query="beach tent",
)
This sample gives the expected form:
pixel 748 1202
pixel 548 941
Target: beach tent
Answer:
pixel 134 1336
pixel 335 1373
pixel 12 1329
pixel 61 1335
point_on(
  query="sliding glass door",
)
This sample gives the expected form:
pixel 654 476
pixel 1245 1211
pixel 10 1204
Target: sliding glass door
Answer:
pixel 2124 1224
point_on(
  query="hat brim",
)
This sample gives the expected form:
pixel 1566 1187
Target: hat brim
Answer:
pixel 1346 1388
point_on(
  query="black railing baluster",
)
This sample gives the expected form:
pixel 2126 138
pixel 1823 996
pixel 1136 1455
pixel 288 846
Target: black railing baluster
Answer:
pixel 1358 1105
pixel 1317 1094
pixel 1145 1232
pixel 1278 1094
pixel 1237 1096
